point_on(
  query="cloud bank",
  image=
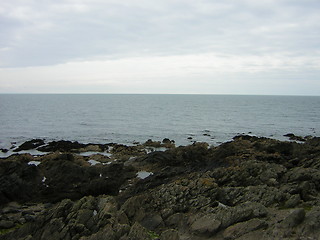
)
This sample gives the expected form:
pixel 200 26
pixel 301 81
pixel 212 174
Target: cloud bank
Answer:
pixel 138 46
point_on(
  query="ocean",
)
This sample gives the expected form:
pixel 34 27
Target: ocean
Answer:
pixel 129 118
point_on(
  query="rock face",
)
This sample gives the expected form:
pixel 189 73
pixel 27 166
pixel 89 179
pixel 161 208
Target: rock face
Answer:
pixel 55 177
pixel 249 188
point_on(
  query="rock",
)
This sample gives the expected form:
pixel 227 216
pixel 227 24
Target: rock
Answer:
pixel 5 224
pixel 62 146
pixel 32 144
pixel 137 232
pixel 151 143
pixel 293 137
pixel 295 218
pixel 175 220
pixel 241 189
pixel 152 221
pixel 170 234
pixel 206 225
pixel 239 213
pixel 4 150
pixel 311 224
pixel 293 201
pixel 239 229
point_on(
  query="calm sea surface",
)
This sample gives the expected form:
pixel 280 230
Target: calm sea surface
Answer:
pixel 127 118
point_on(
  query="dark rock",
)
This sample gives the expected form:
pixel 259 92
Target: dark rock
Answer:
pixel 32 144
pixel 295 218
pixel 62 146
pixel 4 150
pixel 241 189
pixel 170 234
pixel 293 201
pixel 166 140
pixel 137 232
pixel 239 229
pixel 152 221
pixel 17 180
pixel 293 137
pixel 4 224
pixel 206 225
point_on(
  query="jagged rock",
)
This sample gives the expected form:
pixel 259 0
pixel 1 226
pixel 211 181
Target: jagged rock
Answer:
pixel 293 137
pixel 249 188
pixel 294 218
pixel 207 225
pixel 293 201
pixel 137 232
pixel 4 150
pixel 239 229
pixel 32 144
pixel 170 234
pixel 5 224
pixel 62 146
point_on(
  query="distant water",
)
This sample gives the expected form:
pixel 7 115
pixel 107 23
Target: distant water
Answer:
pixel 127 118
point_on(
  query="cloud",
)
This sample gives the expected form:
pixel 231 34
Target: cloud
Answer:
pixel 201 73
pixel 108 42
pixel 47 32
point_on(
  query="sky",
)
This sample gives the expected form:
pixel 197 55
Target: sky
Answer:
pixel 269 47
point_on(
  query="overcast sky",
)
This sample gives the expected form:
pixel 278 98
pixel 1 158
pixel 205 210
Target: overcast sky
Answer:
pixel 160 46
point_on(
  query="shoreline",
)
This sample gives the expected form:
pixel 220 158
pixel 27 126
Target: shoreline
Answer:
pixel 247 188
pixel 31 146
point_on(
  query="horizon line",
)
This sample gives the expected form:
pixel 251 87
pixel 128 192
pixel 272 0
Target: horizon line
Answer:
pixel 220 94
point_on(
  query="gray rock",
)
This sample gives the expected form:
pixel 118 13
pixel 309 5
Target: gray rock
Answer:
pixel 170 234
pixel 293 201
pixel 295 218
pixel 207 225
pixel 312 222
pixel 175 219
pixel 239 229
pixel 152 221
pixel 137 232
pixel 241 212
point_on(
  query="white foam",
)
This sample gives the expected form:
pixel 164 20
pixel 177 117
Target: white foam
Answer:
pixel 144 174
pixel 93 162
pixel 36 163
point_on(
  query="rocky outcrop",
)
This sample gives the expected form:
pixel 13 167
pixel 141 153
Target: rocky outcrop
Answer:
pixel 54 177
pixel 249 188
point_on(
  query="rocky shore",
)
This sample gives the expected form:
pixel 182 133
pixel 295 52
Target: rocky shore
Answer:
pixel 248 188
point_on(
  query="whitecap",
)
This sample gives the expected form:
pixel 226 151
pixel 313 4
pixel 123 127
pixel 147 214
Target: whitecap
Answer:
pixel 144 174
pixel 36 163
pixel 93 162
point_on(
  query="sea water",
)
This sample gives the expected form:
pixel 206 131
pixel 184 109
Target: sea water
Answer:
pixel 129 118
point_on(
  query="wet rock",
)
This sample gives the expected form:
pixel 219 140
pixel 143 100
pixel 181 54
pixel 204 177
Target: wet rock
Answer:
pixel 293 137
pixel 62 146
pixel 4 150
pixel 32 144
